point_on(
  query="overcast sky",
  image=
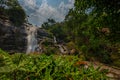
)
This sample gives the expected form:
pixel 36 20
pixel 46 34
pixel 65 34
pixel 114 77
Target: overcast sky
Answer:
pixel 40 10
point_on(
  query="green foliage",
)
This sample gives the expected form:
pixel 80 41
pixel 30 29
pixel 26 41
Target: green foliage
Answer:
pixel 46 25
pixel 56 29
pixel 42 67
pixel 83 26
pixel 2 6
pixel 49 50
pixel 14 12
pixel 16 15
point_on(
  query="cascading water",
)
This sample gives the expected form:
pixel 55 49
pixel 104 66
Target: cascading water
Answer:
pixel 55 41
pixel 32 44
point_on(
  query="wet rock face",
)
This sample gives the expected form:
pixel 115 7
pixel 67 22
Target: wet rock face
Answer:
pixel 41 33
pixel 20 40
pixel 12 39
pixel 15 39
pixel 42 36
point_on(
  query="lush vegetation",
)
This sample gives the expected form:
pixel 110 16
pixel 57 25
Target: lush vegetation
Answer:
pixel 93 27
pixel 42 67
pixel 13 11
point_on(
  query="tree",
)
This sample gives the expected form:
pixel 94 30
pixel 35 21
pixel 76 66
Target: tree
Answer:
pixel 2 6
pixel 85 22
pixel 48 23
pixel 14 11
pixel 17 15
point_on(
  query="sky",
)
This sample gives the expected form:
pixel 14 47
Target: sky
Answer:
pixel 40 10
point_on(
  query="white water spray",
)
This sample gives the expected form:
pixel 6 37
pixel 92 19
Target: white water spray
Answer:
pixel 55 41
pixel 32 44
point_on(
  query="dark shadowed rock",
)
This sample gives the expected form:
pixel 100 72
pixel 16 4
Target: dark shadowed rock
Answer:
pixel 42 33
pixel 12 39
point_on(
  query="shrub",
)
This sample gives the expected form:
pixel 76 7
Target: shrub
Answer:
pixel 43 67
pixel 16 15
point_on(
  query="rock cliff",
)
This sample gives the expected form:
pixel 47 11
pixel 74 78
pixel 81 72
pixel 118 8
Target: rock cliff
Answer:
pixel 12 38
pixel 15 39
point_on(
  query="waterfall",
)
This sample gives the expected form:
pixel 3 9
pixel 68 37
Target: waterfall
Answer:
pixel 55 41
pixel 32 44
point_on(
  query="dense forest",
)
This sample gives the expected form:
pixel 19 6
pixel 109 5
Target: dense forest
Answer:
pixel 91 30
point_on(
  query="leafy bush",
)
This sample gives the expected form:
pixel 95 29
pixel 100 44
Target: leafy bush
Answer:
pixel 16 15
pixel 42 67
pixel 12 10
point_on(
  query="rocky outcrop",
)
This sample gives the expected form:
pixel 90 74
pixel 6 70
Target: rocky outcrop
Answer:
pixel 15 39
pixel 12 39
pixel 43 38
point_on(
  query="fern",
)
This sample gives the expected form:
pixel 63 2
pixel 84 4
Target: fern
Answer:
pixel 43 67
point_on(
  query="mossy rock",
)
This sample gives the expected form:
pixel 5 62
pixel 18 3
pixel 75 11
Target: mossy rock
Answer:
pixel 71 45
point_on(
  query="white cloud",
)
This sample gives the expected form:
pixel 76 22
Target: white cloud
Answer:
pixel 45 11
pixel 29 3
pixel 71 1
